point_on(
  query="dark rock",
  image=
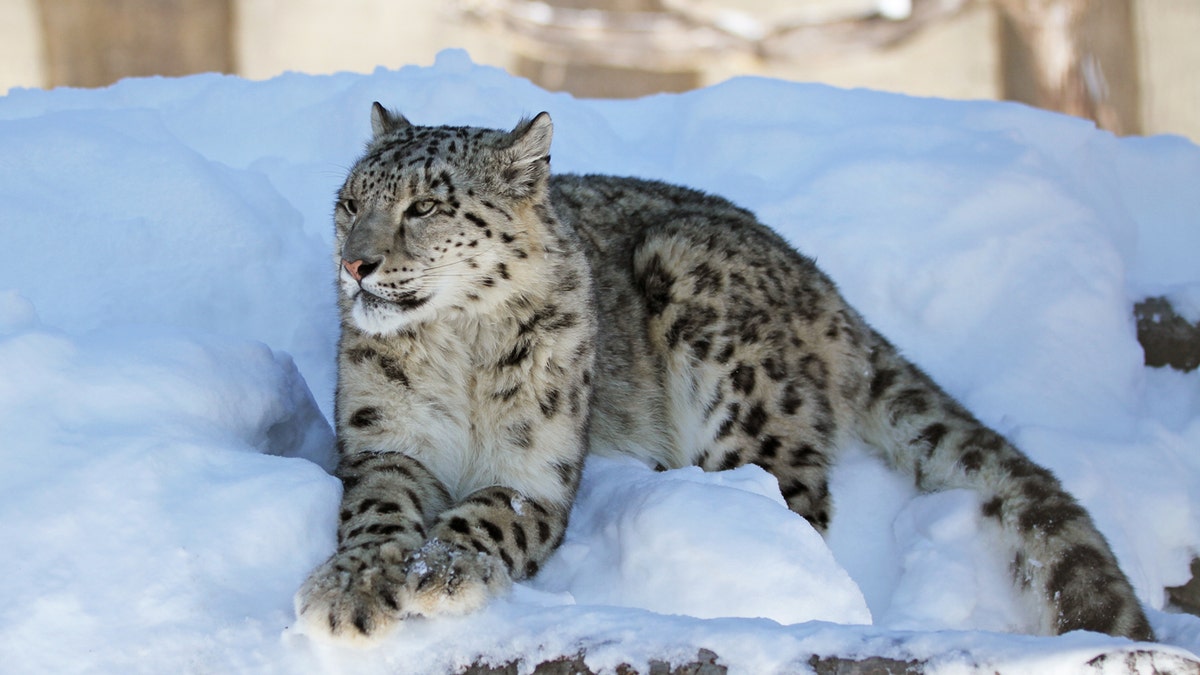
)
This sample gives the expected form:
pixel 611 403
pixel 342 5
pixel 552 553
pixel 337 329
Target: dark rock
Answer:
pixel 1187 596
pixel 1167 338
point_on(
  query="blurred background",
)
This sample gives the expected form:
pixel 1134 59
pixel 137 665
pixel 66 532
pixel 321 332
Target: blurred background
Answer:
pixel 1133 66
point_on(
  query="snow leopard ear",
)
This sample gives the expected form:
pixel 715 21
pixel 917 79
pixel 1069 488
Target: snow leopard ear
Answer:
pixel 384 122
pixel 527 156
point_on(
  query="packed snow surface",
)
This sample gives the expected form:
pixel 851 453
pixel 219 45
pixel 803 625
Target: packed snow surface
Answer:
pixel 168 332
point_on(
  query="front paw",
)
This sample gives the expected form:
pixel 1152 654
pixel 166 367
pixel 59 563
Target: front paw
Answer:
pixel 444 579
pixel 356 596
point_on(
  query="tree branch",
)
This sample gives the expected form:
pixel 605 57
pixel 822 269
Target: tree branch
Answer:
pixel 676 34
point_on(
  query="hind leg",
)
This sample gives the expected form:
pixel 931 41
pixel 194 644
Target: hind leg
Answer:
pixel 797 457
pixel 750 357
pixel 776 417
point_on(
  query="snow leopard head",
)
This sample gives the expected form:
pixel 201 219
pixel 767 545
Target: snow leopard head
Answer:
pixel 433 220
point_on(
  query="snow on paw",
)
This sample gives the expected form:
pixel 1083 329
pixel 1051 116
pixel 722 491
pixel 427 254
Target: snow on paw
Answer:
pixel 444 579
pixel 355 597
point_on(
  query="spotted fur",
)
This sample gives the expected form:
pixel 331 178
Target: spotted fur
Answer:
pixel 498 322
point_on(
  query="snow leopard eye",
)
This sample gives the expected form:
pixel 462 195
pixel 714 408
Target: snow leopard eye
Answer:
pixel 349 206
pixel 421 208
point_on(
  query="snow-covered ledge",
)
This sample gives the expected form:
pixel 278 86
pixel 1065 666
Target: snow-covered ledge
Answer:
pixel 1117 662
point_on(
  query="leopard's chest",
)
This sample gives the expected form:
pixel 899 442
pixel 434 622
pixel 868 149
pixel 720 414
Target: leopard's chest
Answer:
pixel 463 401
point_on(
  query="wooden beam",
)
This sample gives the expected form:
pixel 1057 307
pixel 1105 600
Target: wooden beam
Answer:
pixel 91 43
pixel 1073 56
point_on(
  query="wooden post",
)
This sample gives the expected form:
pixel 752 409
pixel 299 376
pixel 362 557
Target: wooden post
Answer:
pixel 1074 56
pixel 91 43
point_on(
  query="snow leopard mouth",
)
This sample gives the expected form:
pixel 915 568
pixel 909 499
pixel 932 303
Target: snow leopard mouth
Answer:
pixel 407 301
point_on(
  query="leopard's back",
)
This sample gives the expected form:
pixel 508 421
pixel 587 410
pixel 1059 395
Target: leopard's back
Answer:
pixel 743 346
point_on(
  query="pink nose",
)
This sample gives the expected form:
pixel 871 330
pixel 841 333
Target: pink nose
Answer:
pixel 352 268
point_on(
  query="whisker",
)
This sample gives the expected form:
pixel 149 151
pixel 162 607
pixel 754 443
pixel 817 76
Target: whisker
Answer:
pixel 460 260
pixel 435 272
pixel 448 276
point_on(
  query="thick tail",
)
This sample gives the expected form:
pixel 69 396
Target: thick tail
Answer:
pixel 1058 555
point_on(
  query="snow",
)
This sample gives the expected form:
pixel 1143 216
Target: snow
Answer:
pixel 168 330
pixel 662 542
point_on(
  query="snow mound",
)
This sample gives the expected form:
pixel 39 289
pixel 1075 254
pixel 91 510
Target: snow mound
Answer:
pixel 138 501
pixel 702 544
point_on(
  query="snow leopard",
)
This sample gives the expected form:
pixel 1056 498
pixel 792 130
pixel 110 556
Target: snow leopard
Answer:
pixel 498 323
